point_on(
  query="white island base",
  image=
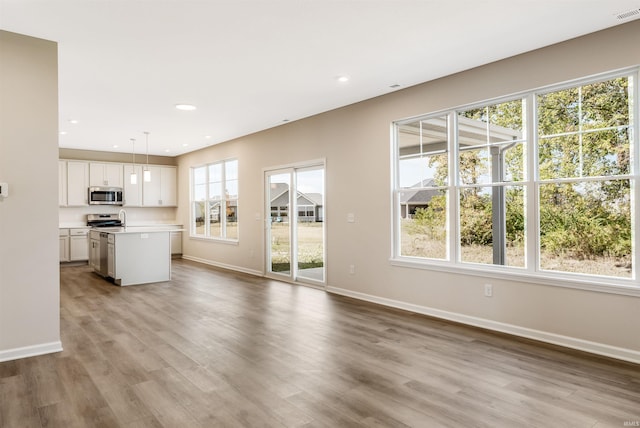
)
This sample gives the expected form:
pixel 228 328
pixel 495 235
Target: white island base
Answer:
pixel 131 255
pixel 141 257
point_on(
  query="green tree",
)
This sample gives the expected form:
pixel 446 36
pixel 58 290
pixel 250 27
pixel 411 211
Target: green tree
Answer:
pixel 590 219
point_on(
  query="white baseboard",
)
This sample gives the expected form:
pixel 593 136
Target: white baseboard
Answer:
pixel 30 351
pixel 556 339
pixel 224 265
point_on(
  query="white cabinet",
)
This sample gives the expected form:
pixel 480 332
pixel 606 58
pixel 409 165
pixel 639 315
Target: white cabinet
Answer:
pixel 64 245
pixel 169 186
pixel 77 183
pixel 78 244
pixel 62 183
pixel 161 191
pixel 105 174
pixel 151 190
pixel 111 256
pixel 140 257
pixel 75 178
pixel 132 192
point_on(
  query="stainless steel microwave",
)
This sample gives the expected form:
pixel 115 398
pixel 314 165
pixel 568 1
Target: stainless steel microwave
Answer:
pixel 105 196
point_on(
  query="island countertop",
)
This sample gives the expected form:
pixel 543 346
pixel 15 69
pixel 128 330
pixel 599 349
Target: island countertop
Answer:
pixel 139 229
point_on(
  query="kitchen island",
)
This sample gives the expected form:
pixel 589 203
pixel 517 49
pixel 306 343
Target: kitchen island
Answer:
pixel 132 255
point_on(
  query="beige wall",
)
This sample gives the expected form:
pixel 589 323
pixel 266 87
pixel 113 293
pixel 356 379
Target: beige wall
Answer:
pixel 355 142
pixel 29 271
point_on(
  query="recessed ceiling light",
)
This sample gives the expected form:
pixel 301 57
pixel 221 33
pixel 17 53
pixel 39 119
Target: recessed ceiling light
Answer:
pixel 185 107
pixel 185 145
pixel 115 146
pixel 343 79
pixel 63 132
pixel 207 136
pixel 167 150
pixel 73 121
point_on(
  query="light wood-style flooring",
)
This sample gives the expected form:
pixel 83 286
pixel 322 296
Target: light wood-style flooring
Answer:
pixel 214 348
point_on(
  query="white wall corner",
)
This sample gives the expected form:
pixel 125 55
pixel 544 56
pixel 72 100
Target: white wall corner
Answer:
pixel 624 354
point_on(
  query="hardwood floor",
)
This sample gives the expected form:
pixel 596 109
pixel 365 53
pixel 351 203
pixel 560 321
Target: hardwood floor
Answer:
pixel 215 348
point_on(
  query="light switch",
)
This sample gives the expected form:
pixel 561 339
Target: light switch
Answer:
pixel 4 189
pixel 351 218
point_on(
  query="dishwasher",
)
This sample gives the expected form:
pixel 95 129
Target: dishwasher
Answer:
pixel 104 254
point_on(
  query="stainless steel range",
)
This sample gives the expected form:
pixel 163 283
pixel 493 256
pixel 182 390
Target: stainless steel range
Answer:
pixel 104 220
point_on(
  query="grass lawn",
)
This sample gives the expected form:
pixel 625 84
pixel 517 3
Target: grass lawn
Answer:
pixel 415 244
pixel 310 245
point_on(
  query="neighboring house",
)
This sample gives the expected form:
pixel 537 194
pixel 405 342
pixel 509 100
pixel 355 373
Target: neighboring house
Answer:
pixel 214 212
pixel 231 211
pixel 417 196
pixel 310 205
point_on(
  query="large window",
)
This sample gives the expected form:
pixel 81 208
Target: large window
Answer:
pixel 214 200
pixel 541 184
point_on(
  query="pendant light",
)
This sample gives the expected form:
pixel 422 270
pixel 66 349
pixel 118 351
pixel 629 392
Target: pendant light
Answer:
pixel 146 173
pixel 134 176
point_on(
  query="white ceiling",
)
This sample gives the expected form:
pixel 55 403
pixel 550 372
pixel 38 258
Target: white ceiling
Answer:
pixel 250 65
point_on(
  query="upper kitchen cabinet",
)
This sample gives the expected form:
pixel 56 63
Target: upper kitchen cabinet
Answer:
pixel 105 174
pixel 77 183
pixel 62 183
pixel 132 192
pixel 161 191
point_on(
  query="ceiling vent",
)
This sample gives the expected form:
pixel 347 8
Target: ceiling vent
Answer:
pixel 628 14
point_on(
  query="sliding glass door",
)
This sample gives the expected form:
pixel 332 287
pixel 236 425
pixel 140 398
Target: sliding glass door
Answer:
pixel 295 224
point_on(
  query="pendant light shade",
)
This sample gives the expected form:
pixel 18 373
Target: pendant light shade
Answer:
pixel 134 176
pixel 146 173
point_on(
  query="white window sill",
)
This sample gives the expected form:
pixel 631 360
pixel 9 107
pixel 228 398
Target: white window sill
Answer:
pixel 623 286
pixel 213 239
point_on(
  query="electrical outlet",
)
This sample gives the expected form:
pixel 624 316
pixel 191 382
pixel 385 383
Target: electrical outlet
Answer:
pixel 488 290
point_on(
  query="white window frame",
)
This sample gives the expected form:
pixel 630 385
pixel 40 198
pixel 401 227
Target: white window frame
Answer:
pixel 532 272
pixel 224 201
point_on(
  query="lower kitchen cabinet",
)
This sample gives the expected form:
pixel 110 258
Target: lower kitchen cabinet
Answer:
pixel 78 244
pixel 111 257
pixel 64 245
pixel 74 244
